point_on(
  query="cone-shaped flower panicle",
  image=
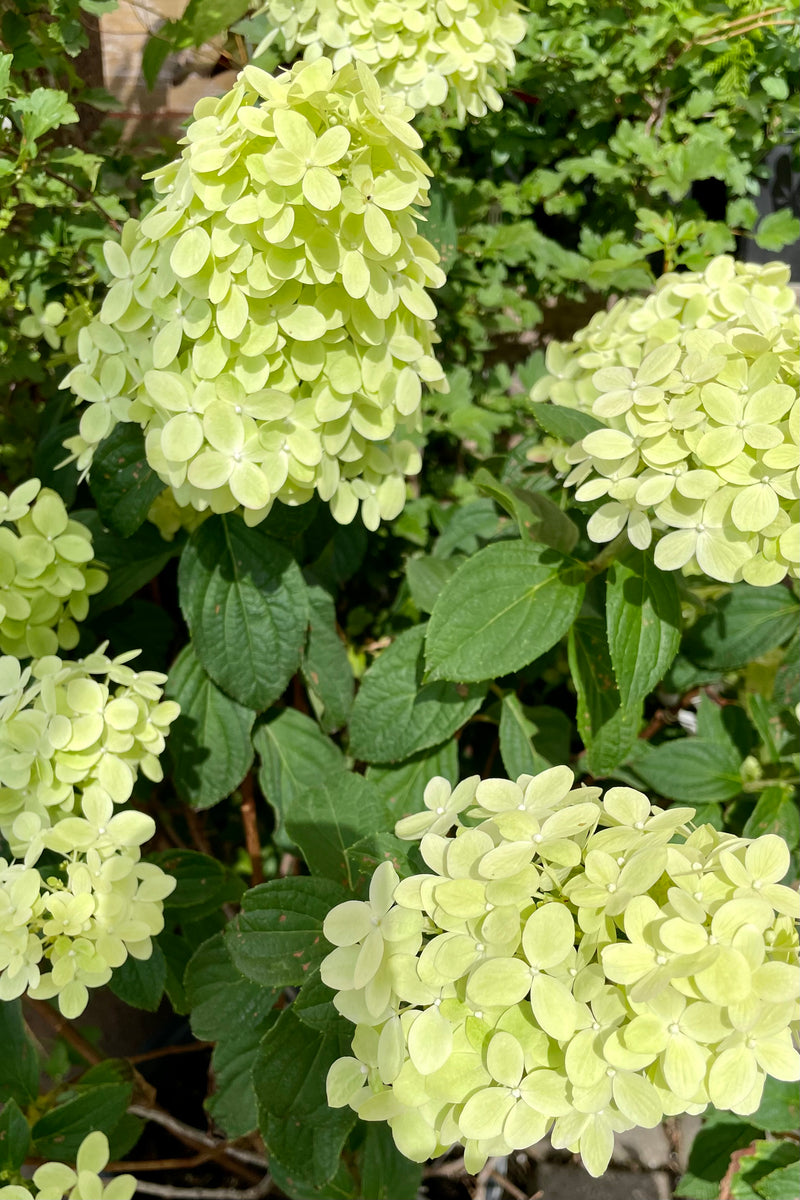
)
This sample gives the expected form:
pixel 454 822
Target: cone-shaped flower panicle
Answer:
pixel 268 325
pixel 46 576
pixel 428 52
pixel 519 988
pixel 73 737
pixel 696 391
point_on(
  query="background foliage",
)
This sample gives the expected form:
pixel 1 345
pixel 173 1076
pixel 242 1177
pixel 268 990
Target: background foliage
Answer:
pixel 480 632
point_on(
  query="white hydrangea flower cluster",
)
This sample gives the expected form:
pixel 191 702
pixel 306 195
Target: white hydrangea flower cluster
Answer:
pixel 73 736
pixel 697 385
pixel 57 1181
pixel 45 582
pixel 268 326
pixel 425 51
pixel 571 963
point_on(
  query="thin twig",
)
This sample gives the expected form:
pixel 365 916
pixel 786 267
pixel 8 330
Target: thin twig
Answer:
pixel 159 1164
pixel 196 831
pixel 165 1119
pixel 482 1178
pixel 63 1028
pixel 191 1048
pixel 169 1192
pixel 508 1186
pixel 250 822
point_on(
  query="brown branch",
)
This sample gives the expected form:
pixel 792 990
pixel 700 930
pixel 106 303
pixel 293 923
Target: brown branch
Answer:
pixel 194 1193
pixel 158 1164
pixel 508 1186
pixel 61 1026
pixel 252 840
pixel 194 1136
pixel 191 1048
pixel 196 831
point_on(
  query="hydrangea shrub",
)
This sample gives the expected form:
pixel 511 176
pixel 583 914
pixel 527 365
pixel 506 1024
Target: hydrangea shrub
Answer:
pixel 45 574
pixel 696 388
pixel 428 52
pixel 268 325
pixel 57 1181
pixel 73 736
pixel 572 962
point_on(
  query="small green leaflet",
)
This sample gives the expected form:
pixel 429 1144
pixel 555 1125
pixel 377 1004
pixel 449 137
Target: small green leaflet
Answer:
pixel 643 620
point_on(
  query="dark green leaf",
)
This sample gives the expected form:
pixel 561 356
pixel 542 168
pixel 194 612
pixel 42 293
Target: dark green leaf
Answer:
pixel 231 1010
pixel 693 770
pixel 203 883
pixel 289 1073
pixel 771 1171
pixel 140 982
pixel 326 820
pixel 276 940
pixel 19 1066
pixel 131 562
pixel 342 1187
pixel 395 715
pixel 401 788
pixel 775 812
pixel 209 744
pixel 246 605
pixel 608 730
pixel 504 607
pixel 710 1155
pixel 294 757
pixel 532 739
pixel 387 1174
pixel 366 855
pixel 326 668
pixel 779 1110
pixel 99 1102
pixel 643 620
pixel 568 424
pixel 314 1003
pixel 427 576
pixel 123 483
pixel 15 1138
pixel 538 518
pixel 786 689
pixel 466 527
pixel 746 623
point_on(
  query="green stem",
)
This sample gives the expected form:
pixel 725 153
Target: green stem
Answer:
pixel 607 555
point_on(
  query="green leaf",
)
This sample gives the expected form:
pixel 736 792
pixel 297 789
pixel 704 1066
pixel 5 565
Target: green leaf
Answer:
pixel 441 228
pixel 643 621
pixel 386 1174
pixel 276 940
pixel 327 820
pixel 694 770
pixel 140 982
pixel 294 757
pixel 710 1155
pixel 607 729
pixel 427 576
pixel 289 1072
pixel 532 739
pixel 209 744
pixel 775 812
pixel 326 668
pixel 746 623
pixel 19 1064
pixel 538 518
pixel 777 229
pixel 156 52
pixel 466 526
pixel 779 1110
pixel 233 1011
pixel 395 715
pixel 44 109
pixel 130 562
pixel 341 1187
pixel 568 424
pixel 772 1171
pixel 366 855
pixel 401 788
pixel 786 688
pixel 123 483
pixel 314 1003
pixel 203 883
pixel 99 1101
pixel 246 605
pixel 15 1138
pixel 504 607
